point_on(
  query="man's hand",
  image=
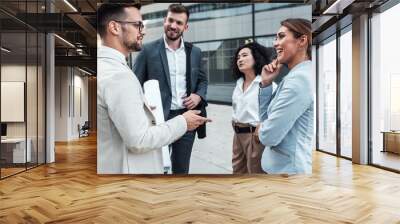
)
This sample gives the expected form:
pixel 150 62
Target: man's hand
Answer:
pixel 193 120
pixel 270 72
pixel 192 101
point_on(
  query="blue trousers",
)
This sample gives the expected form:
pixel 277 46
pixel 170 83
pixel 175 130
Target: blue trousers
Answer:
pixel 181 148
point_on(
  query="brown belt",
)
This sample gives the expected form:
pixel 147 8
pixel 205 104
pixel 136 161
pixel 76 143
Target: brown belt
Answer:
pixel 243 128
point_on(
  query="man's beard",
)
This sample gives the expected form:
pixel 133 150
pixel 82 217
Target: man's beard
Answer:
pixel 179 35
pixel 134 46
pixel 131 46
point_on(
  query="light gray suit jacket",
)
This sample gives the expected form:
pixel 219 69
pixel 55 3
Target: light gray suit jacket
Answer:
pixel 287 123
pixel 152 63
pixel 128 141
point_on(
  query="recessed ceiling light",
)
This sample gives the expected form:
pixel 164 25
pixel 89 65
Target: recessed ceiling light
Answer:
pixel 70 5
pixel 5 50
pixel 64 40
pixel 338 6
pixel 84 71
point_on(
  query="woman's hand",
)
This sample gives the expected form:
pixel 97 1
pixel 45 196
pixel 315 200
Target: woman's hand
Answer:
pixel 270 72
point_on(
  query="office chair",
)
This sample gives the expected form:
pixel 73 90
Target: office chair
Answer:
pixel 84 130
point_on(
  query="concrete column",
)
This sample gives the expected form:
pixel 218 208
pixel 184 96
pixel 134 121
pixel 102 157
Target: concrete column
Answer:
pixel 360 90
pixel 62 103
pixel 50 100
pixel 50 92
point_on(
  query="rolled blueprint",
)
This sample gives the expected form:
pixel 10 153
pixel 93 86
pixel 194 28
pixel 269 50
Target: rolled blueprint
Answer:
pixel 153 97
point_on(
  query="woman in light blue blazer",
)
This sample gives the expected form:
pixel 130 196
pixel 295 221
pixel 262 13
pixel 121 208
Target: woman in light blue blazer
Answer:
pixel 287 114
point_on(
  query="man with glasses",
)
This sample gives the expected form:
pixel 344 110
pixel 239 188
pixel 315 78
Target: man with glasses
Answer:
pixel 183 84
pixel 128 139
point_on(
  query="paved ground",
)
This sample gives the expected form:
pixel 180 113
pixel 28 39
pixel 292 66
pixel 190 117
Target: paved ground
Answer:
pixel 213 155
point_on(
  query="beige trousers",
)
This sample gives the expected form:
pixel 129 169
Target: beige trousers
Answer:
pixel 247 152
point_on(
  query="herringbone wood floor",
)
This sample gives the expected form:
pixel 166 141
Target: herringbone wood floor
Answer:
pixel 70 191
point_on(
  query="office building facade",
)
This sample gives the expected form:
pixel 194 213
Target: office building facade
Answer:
pixel 218 29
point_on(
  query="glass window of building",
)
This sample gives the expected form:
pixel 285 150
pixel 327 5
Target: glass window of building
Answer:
pixel 346 92
pixel 15 150
pixel 22 88
pixel 218 29
pixel 266 41
pixel 217 59
pixel 268 16
pixel 327 95
pixel 314 74
pixel 385 89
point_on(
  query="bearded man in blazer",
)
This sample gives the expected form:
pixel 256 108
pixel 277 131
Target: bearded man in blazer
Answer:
pixel 183 84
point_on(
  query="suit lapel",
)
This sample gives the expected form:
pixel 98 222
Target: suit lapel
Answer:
pixel 164 61
pixel 274 93
pixel 188 51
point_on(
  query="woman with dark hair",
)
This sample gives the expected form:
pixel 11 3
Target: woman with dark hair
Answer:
pixel 248 62
pixel 287 114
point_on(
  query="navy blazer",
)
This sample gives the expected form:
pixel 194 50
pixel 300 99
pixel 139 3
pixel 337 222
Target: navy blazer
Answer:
pixel 152 63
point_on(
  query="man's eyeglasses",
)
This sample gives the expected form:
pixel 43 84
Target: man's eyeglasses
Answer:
pixel 138 24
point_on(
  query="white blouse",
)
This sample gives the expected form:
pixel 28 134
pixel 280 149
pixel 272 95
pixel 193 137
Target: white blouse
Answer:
pixel 245 104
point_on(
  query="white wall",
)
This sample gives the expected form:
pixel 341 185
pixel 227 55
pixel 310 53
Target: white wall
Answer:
pixel 79 117
pixel 61 103
pixel 70 84
pixel 12 73
pixel 33 126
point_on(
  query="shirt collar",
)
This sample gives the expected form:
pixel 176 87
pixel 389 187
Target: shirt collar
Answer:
pixel 167 47
pixel 108 52
pixel 255 81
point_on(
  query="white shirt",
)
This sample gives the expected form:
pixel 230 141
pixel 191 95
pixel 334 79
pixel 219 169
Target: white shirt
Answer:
pixel 177 71
pixel 245 104
pixel 127 137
